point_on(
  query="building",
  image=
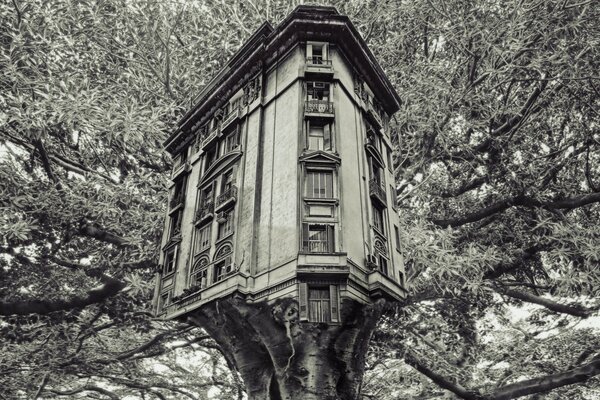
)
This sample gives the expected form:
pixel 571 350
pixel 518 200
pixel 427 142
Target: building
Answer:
pixel 282 183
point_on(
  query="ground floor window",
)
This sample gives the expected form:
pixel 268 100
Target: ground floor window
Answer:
pixel 319 303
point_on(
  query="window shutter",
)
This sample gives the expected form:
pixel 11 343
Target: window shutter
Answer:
pixel 310 184
pixel 327 137
pixel 325 52
pixel 334 302
pixel 303 301
pixel 330 239
pixel 309 51
pixel 305 237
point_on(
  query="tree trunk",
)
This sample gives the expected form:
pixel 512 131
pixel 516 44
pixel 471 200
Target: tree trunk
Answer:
pixel 281 357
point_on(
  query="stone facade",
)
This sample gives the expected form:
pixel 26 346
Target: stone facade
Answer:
pixel 282 185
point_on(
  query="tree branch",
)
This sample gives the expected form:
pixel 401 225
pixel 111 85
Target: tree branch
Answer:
pixel 440 380
pixel 96 232
pixel 549 304
pixel 548 382
pixel 86 388
pixel 110 288
pixel 518 200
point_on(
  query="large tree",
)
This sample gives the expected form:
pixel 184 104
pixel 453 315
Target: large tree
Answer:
pixel 497 165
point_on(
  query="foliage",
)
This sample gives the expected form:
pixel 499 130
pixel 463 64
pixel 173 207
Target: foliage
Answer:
pixel 498 174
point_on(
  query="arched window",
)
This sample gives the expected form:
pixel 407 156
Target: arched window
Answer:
pixel 223 251
pixel 380 247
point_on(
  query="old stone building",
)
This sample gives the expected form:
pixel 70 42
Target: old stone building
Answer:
pixel 282 183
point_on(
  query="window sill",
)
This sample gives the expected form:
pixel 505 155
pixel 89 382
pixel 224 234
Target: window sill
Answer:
pixel 329 200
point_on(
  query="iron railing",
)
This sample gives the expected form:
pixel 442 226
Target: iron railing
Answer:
pixel 318 60
pixel 204 210
pixel 318 107
pixel 377 190
pixel 230 193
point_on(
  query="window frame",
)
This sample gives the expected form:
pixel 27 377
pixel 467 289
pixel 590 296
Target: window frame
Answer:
pixel 329 241
pixel 323 183
pixel 306 311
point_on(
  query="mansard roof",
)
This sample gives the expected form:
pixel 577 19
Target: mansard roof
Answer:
pixel 267 44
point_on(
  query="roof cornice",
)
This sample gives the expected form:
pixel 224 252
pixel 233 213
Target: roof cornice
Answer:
pixel 265 47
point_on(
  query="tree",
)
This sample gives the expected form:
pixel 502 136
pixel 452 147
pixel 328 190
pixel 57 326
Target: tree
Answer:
pixel 498 179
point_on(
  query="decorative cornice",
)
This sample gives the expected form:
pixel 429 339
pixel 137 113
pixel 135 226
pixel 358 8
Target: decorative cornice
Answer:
pixel 267 45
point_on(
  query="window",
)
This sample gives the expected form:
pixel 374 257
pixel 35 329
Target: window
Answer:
pixel 389 159
pixel 317 91
pixel 210 157
pixel 169 263
pixel 319 184
pixel 316 53
pixel 227 181
pixel 202 238
pixel 200 273
pixel 397 232
pixel 232 141
pixel 163 301
pixel 179 192
pixel 223 268
pixel 175 224
pixel 383 264
pixel 318 303
pixel 225 220
pixel 319 136
pixel 318 238
pixel 378 219
pixel 394 197
pixel 206 196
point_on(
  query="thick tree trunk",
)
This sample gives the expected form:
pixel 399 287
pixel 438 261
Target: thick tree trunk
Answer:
pixel 280 357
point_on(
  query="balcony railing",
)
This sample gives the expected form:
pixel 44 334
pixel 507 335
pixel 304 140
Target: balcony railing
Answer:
pixel 211 135
pixel 377 191
pixel 374 114
pixel 318 61
pixel 205 210
pixel 318 107
pixel 232 116
pixel 227 195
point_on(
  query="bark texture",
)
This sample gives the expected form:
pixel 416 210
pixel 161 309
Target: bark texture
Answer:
pixel 281 357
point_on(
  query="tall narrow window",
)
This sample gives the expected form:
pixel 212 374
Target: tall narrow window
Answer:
pixel 397 232
pixel 225 220
pixel 206 196
pixel 210 156
pixel 317 54
pixel 319 184
pixel 394 197
pixel 202 238
pixel 232 141
pixel 223 268
pixel 227 181
pixel 378 219
pixel 169 263
pixel 319 136
pixel 318 238
pixel 175 223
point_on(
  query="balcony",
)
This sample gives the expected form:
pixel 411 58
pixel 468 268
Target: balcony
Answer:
pixel 374 115
pixel 212 135
pixel 318 108
pixel 228 196
pixel 205 211
pixel 377 192
pixel 318 65
pixel 231 117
